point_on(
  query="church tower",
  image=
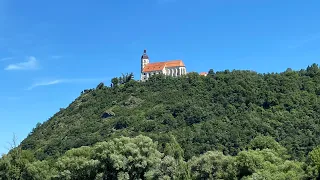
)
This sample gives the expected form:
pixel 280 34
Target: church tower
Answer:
pixel 144 62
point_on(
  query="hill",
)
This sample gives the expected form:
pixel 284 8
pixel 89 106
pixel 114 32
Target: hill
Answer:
pixel 222 112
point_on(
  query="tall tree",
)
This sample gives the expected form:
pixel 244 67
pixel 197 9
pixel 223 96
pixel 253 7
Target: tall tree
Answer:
pixel 115 81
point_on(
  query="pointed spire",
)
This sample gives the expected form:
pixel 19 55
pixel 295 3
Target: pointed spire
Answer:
pixel 145 56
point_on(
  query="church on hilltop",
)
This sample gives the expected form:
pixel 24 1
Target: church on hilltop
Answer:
pixel 172 68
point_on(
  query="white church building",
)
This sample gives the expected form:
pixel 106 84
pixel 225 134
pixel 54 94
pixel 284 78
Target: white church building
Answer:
pixel 172 68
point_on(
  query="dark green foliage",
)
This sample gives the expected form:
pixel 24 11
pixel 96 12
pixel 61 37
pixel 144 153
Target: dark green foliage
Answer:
pixel 211 73
pixel 115 81
pixel 100 86
pixel 125 78
pixel 107 114
pixel 223 112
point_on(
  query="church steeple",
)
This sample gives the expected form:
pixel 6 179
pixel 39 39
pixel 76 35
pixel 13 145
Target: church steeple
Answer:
pixel 144 62
pixel 144 56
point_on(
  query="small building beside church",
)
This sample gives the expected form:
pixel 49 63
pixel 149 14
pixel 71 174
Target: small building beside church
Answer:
pixel 203 74
pixel 172 68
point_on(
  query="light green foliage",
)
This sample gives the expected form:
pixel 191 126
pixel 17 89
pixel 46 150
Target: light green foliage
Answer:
pixel 172 165
pixel 213 165
pixel 39 170
pixel 267 164
pixel 13 165
pixel 77 164
pixel 127 157
pixel 138 158
pixel 315 156
pixel 174 149
pixel 267 142
pixel 169 168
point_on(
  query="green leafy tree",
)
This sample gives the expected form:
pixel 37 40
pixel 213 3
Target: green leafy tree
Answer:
pixel 77 164
pixel 100 86
pixel 211 73
pixel 39 170
pixel 174 149
pixel 13 165
pixel 315 159
pixel 213 165
pixel 169 168
pixel 267 164
pixel 115 81
pixel 127 158
pixel 267 142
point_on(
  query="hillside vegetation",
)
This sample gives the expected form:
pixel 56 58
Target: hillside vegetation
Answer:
pixel 228 125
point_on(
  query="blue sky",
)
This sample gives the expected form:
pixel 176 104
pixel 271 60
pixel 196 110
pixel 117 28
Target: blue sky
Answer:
pixel 51 50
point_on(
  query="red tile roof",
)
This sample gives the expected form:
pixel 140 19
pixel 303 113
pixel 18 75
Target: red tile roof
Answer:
pixel 159 66
pixel 203 74
pixel 154 67
pixel 174 63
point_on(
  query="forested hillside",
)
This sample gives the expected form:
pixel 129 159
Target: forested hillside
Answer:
pixel 227 125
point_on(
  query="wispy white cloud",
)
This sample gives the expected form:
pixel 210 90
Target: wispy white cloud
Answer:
pixel 30 64
pixel 44 83
pixel 59 81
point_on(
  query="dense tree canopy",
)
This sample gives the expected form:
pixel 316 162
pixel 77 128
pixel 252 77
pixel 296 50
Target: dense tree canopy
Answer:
pixel 216 126
pixel 139 158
